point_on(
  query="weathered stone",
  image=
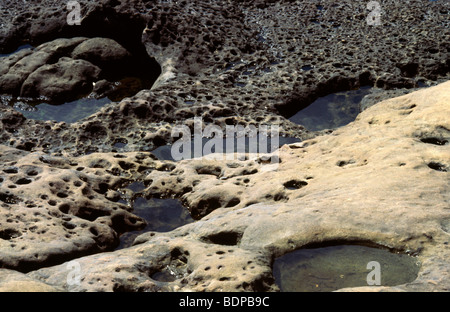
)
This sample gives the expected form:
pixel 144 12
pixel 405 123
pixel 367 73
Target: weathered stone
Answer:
pixel 61 47
pixel 65 69
pixel 382 179
pixel 13 281
pixel 53 209
pixel 63 81
pixel 155 265
pixel 105 53
pixel 275 63
pixel 357 185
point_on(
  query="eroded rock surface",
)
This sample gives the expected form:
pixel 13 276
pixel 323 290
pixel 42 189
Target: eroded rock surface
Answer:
pixel 382 180
pixel 54 208
pixel 229 63
pixel 13 281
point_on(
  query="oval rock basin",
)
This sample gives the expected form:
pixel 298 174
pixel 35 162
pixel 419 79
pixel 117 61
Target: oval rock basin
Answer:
pixel 335 267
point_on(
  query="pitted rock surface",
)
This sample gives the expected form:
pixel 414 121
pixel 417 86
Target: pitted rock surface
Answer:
pixel 55 208
pixel 246 63
pixel 347 187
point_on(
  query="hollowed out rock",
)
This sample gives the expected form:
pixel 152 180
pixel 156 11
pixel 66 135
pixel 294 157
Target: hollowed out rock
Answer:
pixel 294 184
pixel 335 267
pixel 227 238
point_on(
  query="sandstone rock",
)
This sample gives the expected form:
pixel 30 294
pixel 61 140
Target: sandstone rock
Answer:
pixel 53 209
pixel 13 281
pixel 161 262
pixel 357 185
pixel 381 180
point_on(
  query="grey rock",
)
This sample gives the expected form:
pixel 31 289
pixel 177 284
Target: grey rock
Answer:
pixel 103 52
pixel 11 82
pixel 62 46
pixel 65 80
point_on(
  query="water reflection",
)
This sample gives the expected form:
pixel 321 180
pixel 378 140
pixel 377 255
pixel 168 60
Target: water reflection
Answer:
pixel 162 215
pixel 335 267
pixel 331 111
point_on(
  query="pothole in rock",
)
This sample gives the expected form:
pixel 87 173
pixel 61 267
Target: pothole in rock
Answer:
pixel 331 111
pixel 162 215
pixel 164 152
pixel 176 269
pixel 68 79
pixel 331 268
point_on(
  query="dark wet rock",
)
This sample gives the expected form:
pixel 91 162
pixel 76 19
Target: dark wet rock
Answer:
pixel 11 82
pixel 105 53
pixel 12 120
pixel 247 63
pixel 65 69
pixel 65 80
pixel 61 46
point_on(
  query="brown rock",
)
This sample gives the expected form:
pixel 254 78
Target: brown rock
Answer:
pixel 382 180
pixel 53 209
pixel 67 79
pixel 13 281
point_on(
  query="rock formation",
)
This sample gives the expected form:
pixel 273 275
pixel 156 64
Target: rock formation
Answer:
pixel 382 180
pixel 347 187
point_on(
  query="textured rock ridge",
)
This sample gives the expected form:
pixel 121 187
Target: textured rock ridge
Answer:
pixel 229 63
pixel 358 185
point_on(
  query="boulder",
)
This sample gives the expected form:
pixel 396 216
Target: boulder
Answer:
pixel 105 53
pixel 66 80
pixel 11 82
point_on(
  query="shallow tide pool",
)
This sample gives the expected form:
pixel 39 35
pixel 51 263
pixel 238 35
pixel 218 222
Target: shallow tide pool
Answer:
pixel 68 112
pixel 162 215
pixel 331 268
pixel 331 111
pixel 164 152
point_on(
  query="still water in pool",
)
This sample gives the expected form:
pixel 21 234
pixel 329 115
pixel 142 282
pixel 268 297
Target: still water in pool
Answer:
pixel 331 111
pixel 67 112
pixel 162 215
pixel 335 267
pixel 164 152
